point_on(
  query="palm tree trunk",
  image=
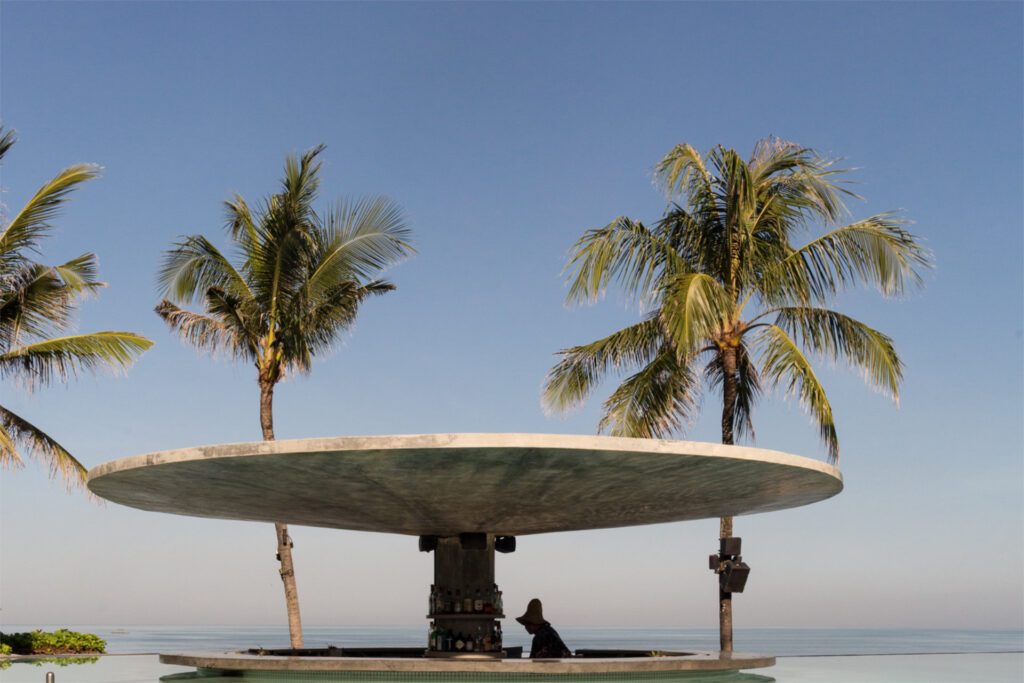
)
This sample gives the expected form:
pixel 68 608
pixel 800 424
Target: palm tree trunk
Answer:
pixel 729 391
pixel 291 591
pixel 284 541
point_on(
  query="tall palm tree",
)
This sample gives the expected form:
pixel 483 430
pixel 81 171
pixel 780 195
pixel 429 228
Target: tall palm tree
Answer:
pixel 295 286
pixel 37 309
pixel 731 304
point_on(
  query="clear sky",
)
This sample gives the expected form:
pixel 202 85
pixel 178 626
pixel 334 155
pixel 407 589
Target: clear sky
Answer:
pixel 505 130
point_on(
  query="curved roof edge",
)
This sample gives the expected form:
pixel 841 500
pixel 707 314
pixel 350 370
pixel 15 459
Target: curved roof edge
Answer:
pixel 463 440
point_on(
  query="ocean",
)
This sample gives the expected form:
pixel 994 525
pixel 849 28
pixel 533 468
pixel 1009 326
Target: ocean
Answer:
pixel 782 642
pixel 803 655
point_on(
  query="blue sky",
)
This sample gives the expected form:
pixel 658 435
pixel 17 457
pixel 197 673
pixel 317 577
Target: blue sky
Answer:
pixel 505 130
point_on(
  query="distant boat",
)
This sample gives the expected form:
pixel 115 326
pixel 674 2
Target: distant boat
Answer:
pixel 119 631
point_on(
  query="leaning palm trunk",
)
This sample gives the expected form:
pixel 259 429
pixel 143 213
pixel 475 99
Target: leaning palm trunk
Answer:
pixel 291 591
pixel 296 288
pixel 284 541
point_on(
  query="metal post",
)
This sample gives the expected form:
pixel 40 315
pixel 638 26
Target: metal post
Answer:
pixel 50 678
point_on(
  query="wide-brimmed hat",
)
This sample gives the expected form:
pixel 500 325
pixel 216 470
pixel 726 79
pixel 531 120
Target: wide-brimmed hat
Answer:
pixel 534 615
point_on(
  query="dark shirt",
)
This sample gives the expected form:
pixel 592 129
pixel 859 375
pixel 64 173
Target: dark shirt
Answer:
pixel 547 644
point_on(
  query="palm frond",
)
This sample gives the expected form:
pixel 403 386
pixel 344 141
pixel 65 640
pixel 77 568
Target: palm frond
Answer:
pixel 33 220
pixel 624 251
pixel 9 457
pixel 243 319
pixel 358 240
pixel 299 278
pixel 15 431
pixel 877 251
pixel 63 357
pixel 784 365
pixel 726 240
pixel 7 140
pixel 195 265
pixel 38 300
pixel 210 333
pixel 376 288
pixel 655 402
pixel 683 172
pixel 840 337
pixel 800 175
pixel 700 243
pixel 572 379
pixel 315 326
pixel 80 273
pixel 277 265
pixel 695 308
pixel 738 193
pixel 240 223
pixel 301 181
pixel 748 389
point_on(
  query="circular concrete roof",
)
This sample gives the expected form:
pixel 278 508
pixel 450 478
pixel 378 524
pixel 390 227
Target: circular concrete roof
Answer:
pixel 446 484
pixel 635 668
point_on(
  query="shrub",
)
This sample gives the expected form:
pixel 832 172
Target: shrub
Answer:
pixel 61 641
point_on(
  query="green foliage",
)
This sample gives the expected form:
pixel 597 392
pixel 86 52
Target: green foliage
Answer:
pixel 294 286
pixel 733 305
pixel 37 308
pixel 62 661
pixel 299 279
pixel 5 649
pixel 61 641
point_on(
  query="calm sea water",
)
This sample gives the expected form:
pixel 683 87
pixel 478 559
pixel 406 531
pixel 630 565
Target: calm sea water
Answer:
pixel 804 655
pixel 780 642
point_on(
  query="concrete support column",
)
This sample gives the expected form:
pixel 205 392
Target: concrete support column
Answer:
pixel 464 574
pixel 466 570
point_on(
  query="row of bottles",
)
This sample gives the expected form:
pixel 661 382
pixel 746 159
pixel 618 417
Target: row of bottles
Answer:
pixel 480 640
pixel 480 602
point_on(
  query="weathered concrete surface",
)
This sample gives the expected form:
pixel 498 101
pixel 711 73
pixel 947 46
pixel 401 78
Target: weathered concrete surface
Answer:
pixel 446 484
pixel 698 661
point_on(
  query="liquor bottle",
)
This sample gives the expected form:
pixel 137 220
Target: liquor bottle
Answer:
pixel 469 642
pixel 447 609
pixel 431 635
pixel 449 644
pixel 499 604
pixel 478 602
pixel 459 643
pixel 488 602
pixel 432 603
pixel 458 601
pixel 497 636
pixel 467 603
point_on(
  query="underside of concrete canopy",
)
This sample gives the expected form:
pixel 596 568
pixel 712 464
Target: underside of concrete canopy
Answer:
pixel 448 484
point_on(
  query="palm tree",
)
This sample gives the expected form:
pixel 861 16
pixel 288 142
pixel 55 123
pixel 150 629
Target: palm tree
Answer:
pixel 295 286
pixel 732 305
pixel 37 308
